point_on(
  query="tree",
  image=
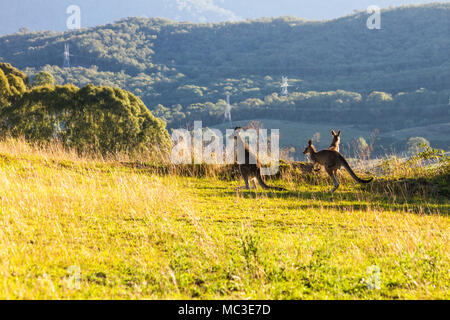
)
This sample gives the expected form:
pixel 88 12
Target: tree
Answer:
pixel 13 84
pixel 43 78
pixel 378 97
pixel 8 69
pixel 416 145
pixel 100 119
pixel 361 147
pixel 5 91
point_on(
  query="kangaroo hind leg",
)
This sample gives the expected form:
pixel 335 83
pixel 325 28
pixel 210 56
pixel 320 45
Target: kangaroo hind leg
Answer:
pixel 332 174
pixel 255 186
pixel 247 184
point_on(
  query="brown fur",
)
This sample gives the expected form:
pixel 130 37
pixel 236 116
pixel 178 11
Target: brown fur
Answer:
pixel 332 162
pixel 336 141
pixel 248 170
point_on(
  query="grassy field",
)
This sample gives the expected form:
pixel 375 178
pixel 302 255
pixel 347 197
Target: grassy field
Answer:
pixel 72 228
pixel 298 133
pixel 433 132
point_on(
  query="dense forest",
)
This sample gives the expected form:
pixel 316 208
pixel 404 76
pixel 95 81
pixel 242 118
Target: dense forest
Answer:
pixel 391 79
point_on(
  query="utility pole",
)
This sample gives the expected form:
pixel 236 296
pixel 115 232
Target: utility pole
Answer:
pixel 66 56
pixel 284 86
pixel 227 114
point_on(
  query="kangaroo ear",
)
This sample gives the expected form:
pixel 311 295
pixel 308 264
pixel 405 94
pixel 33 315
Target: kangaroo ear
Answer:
pixel 339 133
pixel 310 142
pixel 333 133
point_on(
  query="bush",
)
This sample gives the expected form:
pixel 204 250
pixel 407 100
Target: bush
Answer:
pixel 100 119
pixel 43 78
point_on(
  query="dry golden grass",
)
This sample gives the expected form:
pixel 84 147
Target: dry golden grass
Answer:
pixel 88 227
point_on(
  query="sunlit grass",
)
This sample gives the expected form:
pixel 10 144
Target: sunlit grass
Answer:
pixel 132 234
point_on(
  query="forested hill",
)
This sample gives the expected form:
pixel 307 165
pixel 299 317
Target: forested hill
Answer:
pixel 411 39
pixel 183 70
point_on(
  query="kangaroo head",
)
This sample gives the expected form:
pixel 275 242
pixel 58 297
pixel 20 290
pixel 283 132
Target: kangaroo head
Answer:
pixel 236 133
pixel 310 148
pixel 336 137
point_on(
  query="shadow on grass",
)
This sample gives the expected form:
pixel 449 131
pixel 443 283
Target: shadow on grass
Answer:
pixel 341 200
pixel 436 188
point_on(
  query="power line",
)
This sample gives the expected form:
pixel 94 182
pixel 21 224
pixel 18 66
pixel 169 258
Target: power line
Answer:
pixel 284 86
pixel 227 114
pixel 66 63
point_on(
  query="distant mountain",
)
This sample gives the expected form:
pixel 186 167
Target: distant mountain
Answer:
pixel 51 14
pixel 410 51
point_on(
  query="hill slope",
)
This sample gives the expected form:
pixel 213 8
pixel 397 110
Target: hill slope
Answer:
pixel 51 14
pixel 73 228
pixel 408 41
pixel 182 71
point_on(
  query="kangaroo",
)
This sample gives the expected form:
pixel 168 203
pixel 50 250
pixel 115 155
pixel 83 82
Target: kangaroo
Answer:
pixel 250 169
pixel 336 141
pixel 332 161
pixel 334 146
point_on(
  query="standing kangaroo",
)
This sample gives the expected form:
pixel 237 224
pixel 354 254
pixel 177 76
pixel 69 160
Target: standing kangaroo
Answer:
pixel 250 168
pixel 332 161
pixel 336 141
pixel 334 145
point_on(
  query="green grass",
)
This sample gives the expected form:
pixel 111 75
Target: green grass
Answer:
pixel 298 133
pixel 92 229
pixel 436 132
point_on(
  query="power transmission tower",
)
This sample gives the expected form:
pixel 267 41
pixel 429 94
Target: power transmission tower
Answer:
pixel 284 86
pixel 227 114
pixel 66 56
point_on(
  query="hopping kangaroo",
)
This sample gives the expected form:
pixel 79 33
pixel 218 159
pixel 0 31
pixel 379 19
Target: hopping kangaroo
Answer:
pixel 332 161
pixel 336 141
pixel 250 168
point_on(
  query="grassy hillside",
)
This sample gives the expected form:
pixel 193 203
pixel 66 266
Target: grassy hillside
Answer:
pixel 433 132
pixel 297 134
pixel 83 228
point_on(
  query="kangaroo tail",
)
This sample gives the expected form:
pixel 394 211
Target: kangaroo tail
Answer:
pixel 353 174
pixel 265 186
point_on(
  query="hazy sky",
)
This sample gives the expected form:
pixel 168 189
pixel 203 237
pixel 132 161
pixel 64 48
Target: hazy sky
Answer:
pixel 51 14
